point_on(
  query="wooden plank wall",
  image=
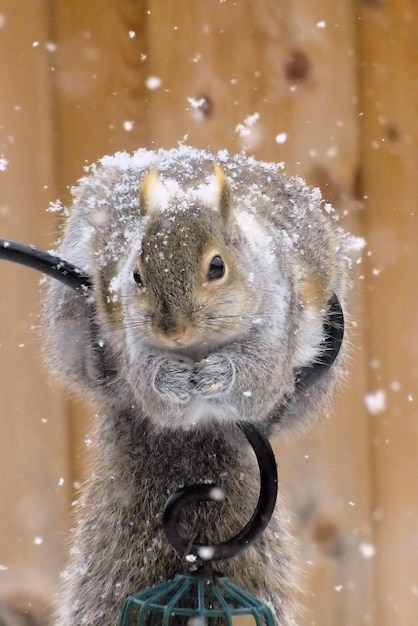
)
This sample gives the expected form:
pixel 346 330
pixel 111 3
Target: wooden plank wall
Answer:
pixel 335 90
pixel 389 102
pixel 34 490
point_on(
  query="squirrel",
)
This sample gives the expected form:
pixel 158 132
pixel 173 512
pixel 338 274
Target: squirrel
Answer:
pixel 210 281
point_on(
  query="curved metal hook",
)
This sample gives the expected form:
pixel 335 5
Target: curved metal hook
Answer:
pixel 46 263
pixel 209 492
pixel 329 348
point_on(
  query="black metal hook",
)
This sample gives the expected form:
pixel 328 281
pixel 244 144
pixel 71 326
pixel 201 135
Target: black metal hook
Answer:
pixel 329 349
pixel 209 492
pixel 304 377
pixel 46 263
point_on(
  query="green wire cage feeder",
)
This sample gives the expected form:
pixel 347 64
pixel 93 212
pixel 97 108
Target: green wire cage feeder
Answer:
pixel 205 596
pixel 200 597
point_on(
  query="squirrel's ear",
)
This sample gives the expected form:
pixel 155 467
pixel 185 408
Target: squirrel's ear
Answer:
pixel 225 200
pixel 152 192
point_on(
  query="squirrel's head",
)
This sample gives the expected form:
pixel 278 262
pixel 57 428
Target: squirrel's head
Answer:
pixel 191 288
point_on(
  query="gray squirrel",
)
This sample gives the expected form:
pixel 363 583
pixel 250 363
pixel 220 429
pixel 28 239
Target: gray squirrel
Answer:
pixel 211 276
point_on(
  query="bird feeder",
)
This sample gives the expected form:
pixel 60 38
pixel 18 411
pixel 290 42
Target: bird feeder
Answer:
pixel 201 597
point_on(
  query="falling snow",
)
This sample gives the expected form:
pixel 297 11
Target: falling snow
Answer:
pixel 375 401
pixel 244 129
pixel 217 494
pixel 205 552
pixel 191 558
pixel 367 550
pixel 153 82
pixel 55 207
pixel 281 138
pixel 196 103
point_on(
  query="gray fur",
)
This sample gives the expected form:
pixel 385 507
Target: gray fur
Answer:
pixel 167 416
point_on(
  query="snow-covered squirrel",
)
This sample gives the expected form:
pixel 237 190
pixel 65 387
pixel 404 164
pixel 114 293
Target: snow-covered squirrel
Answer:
pixel 211 278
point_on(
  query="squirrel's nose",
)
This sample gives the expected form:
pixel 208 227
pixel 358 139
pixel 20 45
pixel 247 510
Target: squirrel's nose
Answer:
pixel 177 335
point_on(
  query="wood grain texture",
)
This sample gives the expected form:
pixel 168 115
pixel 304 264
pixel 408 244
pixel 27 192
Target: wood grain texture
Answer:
pixel 389 104
pixel 33 433
pixel 98 92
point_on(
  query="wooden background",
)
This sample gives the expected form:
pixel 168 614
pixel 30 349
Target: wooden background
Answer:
pixel 335 89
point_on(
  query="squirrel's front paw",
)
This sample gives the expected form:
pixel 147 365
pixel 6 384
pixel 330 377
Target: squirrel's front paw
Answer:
pixel 173 380
pixel 213 376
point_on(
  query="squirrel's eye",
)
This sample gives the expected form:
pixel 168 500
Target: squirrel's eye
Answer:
pixel 216 268
pixel 137 277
